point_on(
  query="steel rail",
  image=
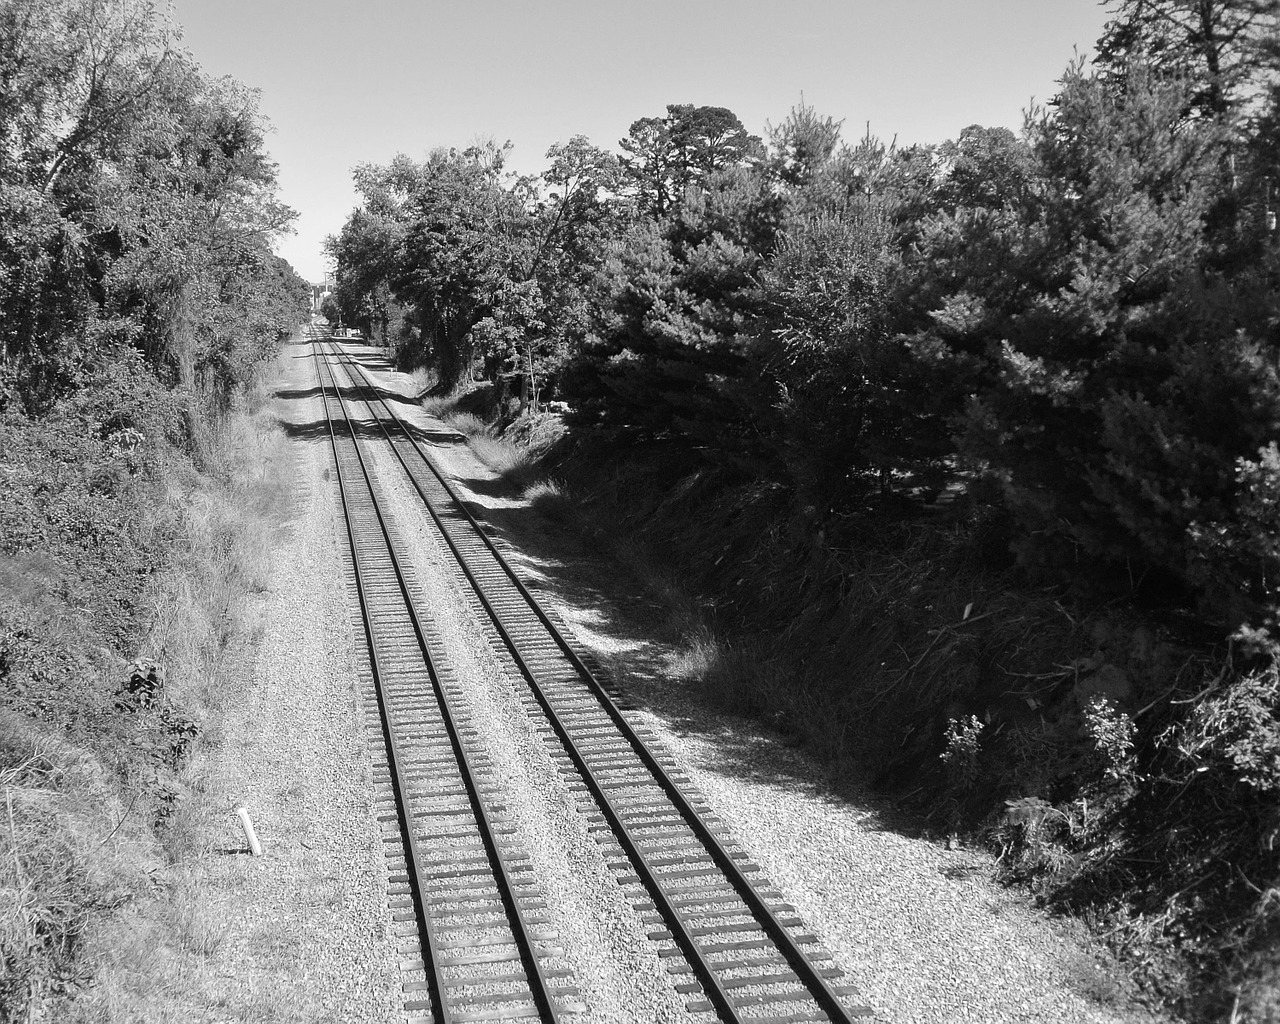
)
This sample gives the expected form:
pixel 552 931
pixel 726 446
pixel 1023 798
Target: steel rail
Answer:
pixel 819 988
pixel 539 986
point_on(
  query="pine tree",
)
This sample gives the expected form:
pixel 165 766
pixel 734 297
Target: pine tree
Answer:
pixel 1225 51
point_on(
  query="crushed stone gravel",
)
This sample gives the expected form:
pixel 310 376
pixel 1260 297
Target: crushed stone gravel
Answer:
pixel 306 925
pixel 621 977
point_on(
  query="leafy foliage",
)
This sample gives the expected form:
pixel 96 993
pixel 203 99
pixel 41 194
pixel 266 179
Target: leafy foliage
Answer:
pixel 1223 49
pixel 136 207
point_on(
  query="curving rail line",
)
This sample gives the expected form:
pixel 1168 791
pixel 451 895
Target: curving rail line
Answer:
pixel 456 879
pixel 723 927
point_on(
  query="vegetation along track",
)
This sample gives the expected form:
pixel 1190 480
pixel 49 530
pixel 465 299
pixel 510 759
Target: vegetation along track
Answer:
pixel 735 948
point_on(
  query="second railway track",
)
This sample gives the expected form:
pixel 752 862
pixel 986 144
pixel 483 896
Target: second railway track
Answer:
pixel 733 947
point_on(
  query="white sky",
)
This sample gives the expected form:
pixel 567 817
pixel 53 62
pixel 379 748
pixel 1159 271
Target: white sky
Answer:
pixel 360 80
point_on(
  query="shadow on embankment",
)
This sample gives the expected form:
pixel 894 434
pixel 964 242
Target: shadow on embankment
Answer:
pixel 642 646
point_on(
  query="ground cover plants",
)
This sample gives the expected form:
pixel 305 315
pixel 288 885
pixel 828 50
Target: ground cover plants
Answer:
pixel 138 298
pixel 119 641
pixel 966 454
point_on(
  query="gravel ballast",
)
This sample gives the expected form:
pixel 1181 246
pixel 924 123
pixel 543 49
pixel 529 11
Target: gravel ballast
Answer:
pixel 305 926
pixel 621 976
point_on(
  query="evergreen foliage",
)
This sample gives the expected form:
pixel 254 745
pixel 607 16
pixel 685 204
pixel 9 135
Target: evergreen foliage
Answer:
pixel 1223 51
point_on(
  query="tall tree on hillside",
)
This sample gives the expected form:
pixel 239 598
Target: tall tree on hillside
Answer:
pixel 194 204
pixel 705 140
pixel 1126 384
pixel 572 208
pixel 649 165
pixel 137 203
pixel 580 185
pixel 75 78
pixel 574 218
pixel 850 406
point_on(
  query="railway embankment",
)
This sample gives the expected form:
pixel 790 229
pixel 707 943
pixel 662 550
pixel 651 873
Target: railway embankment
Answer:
pixel 923 931
pixel 1090 746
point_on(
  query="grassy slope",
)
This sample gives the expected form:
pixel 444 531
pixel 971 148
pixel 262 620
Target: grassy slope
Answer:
pixel 122 577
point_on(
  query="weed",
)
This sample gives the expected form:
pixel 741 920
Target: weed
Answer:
pixel 963 741
pixel 504 458
pixel 1113 733
pixel 551 499
pixel 435 405
pixel 469 424
pixel 1034 838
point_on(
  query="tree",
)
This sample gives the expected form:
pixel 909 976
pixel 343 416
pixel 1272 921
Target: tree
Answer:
pixel 686 147
pixel 1224 50
pixel 137 199
pixel 802 144
pixel 1124 383
pixel 987 168
pixel 853 403
pixel 76 78
pixel 365 255
pixel 460 236
pixel 649 166
pixel 573 217
pixel 666 347
pixel 705 140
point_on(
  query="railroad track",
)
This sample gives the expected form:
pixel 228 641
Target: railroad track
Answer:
pixel 735 949
pixel 461 896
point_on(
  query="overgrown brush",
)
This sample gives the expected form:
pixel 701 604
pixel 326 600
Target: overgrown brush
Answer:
pixel 507 459
pixel 125 578
pixel 70 849
pixel 1172 842
pixel 1117 763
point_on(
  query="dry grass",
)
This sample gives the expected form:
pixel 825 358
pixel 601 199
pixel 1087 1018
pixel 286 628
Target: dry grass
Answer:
pixel 468 423
pixel 194 927
pixel 434 405
pixel 505 459
pixel 509 460
pixel 204 622
pixel 70 849
pixel 423 381
pixel 551 499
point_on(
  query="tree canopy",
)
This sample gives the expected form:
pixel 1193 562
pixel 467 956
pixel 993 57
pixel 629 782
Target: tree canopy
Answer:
pixel 1082 314
pixel 137 206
